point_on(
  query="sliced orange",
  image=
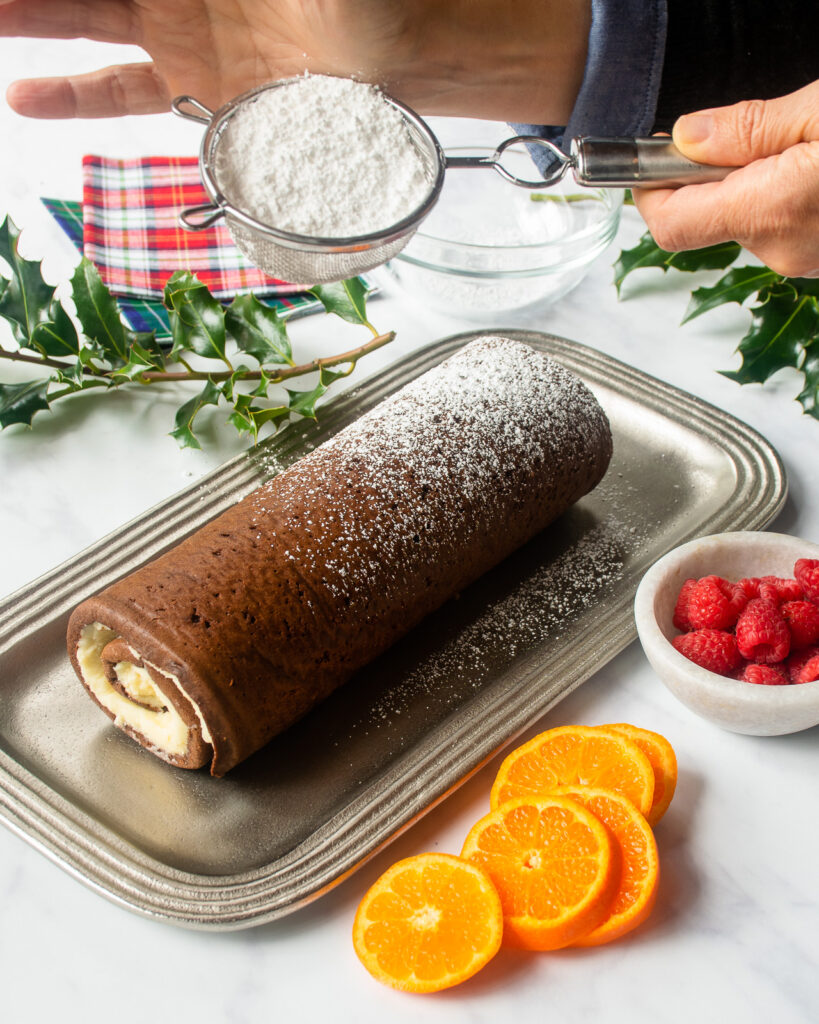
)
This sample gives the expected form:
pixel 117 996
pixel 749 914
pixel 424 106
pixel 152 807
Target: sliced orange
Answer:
pixel 428 923
pixel 576 755
pixel 663 762
pixel 639 863
pixel 554 864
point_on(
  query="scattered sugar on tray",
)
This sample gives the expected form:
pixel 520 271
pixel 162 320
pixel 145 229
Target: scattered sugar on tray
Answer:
pixel 323 157
pixel 538 613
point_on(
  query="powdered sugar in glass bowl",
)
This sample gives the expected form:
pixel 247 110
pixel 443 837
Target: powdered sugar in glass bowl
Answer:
pixel 489 247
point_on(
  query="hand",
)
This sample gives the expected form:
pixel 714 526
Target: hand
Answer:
pixel 770 205
pixel 440 56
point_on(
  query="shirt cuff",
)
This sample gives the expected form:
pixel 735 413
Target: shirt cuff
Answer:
pixel 621 81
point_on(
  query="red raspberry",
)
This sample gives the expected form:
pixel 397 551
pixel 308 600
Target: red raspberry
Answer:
pixel 681 620
pixel 764 675
pixel 762 633
pixel 750 584
pixel 713 649
pixel 802 618
pixel 714 603
pixel 803 667
pixel 806 572
pixel 778 589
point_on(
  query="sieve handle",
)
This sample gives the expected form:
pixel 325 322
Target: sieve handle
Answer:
pixel 204 117
pixel 653 162
pixel 189 219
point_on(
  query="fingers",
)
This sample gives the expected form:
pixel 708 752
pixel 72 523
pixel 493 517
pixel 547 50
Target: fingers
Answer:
pixel 110 92
pixel 770 207
pixel 109 21
pixel 736 135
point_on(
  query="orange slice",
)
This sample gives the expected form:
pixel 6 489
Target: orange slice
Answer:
pixel 576 755
pixel 555 866
pixel 639 863
pixel 428 923
pixel 663 762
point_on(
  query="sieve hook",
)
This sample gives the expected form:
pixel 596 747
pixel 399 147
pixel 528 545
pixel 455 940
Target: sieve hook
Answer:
pixel 562 162
pixel 204 117
pixel 189 218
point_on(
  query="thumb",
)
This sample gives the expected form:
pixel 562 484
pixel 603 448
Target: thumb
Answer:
pixel 734 136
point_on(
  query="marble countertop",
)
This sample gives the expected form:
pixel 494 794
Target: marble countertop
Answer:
pixel 733 936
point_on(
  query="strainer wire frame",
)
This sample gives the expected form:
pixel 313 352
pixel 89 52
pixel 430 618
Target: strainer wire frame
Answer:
pixel 217 122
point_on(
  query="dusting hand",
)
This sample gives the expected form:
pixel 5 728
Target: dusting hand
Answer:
pixel 440 56
pixel 770 204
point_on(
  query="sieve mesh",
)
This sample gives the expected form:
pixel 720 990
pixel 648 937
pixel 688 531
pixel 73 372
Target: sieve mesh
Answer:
pixel 303 260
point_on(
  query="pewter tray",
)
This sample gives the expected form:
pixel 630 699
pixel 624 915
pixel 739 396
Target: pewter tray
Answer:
pixel 301 814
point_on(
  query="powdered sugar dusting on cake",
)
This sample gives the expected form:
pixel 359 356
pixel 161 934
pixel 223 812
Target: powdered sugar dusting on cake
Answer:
pixel 494 415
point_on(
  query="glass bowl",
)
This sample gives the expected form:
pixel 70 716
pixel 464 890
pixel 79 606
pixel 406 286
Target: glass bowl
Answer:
pixel 490 246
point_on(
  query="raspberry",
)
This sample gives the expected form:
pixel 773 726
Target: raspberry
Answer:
pixel 803 667
pixel 714 603
pixel 778 589
pixel 806 572
pixel 762 633
pixel 802 618
pixel 713 649
pixel 750 584
pixel 681 620
pixel 764 675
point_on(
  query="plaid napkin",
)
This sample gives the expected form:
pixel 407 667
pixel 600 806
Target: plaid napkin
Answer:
pixel 132 234
pixel 150 314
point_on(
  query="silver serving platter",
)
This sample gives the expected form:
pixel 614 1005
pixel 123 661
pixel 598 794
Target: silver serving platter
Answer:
pixel 301 814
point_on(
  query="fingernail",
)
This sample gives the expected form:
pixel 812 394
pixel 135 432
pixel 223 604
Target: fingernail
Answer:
pixel 694 128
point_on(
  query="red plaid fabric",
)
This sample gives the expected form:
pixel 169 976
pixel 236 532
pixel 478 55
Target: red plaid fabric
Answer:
pixel 132 234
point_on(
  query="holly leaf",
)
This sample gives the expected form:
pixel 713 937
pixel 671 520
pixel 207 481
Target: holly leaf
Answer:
pixel 197 318
pixel 19 403
pixel 249 418
pixel 347 299
pixel 808 397
pixel 142 357
pixel 26 298
pixel 56 336
pixel 648 254
pixel 258 330
pixel 735 286
pixel 99 313
pixel 780 330
pixel 186 414
pixel 304 402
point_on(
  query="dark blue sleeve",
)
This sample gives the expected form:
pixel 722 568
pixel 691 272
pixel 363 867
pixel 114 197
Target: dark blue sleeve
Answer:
pixel 621 81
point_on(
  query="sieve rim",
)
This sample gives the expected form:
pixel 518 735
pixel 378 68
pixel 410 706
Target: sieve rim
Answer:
pixel 315 243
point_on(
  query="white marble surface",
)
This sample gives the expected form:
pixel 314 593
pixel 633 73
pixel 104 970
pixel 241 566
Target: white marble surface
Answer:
pixel 733 937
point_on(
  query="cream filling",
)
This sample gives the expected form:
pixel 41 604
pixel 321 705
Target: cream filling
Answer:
pixel 160 724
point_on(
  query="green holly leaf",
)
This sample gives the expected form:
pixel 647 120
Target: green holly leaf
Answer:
pixel 258 330
pixel 19 403
pixel 304 402
pixel 808 397
pixel 248 417
pixel 142 357
pixel 737 285
pixel 56 336
pixel 648 254
pixel 99 314
pixel 780 330
pixel 26 298
pixel 186 414
pixel 197 318
pixel 347 299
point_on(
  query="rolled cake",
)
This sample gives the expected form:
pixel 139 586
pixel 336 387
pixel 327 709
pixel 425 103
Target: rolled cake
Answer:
pixel 224 641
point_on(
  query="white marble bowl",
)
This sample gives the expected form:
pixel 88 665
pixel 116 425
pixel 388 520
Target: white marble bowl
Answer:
pixel 732 704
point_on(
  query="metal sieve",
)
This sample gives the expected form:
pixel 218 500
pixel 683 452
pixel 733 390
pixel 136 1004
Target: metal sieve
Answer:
pixel 609 163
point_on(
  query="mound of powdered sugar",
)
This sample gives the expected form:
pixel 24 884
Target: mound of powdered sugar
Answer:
pixel 322 157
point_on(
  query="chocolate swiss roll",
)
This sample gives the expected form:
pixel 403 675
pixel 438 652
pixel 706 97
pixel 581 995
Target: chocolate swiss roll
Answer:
pixel 224 641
